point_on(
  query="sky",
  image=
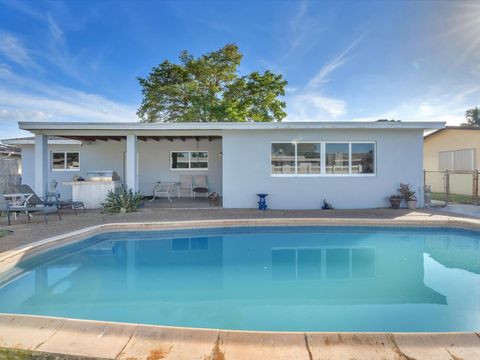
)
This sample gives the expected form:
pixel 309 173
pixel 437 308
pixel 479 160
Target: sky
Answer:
pixel 343 60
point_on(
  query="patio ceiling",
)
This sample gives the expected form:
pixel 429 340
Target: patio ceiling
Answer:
pixel 141 138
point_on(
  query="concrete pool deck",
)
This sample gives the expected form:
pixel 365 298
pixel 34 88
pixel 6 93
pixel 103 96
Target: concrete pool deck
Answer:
pixel 40 336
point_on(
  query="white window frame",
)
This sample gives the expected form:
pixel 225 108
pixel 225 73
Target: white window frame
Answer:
pixel 323 158
pixel 65 160
pixel 189 160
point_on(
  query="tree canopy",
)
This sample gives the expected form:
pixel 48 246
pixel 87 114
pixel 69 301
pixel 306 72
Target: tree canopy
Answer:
pixel 473 117
pixel 209 89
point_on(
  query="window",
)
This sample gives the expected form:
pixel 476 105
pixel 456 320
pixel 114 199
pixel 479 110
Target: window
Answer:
pixel 337 158
pixel 362 158
pixel 189 160
pixel 283 158
pixel 457 160
pixel 308 158
pixel 64 160
pixel 323 158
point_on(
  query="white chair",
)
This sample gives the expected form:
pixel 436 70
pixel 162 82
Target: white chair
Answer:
pixel 186 185
pixel 201 185
pixel 161 189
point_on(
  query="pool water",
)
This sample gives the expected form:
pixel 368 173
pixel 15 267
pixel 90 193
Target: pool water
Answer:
pixel 279 279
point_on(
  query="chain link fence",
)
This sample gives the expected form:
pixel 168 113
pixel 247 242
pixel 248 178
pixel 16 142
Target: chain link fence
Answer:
pixel 453 187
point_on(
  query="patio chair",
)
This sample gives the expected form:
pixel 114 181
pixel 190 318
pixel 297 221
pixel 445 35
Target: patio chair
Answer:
pixel 186 185
pixel 201 186
pixel 162 188
pixel 27 209
pixel 59 204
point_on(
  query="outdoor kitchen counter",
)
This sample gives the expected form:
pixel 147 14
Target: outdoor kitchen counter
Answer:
pixel 91 193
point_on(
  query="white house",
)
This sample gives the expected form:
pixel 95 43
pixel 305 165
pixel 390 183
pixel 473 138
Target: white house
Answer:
pixel 351 164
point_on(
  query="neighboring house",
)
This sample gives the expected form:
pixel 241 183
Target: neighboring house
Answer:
pixel 454 148
pixel 11 152
pixel 351 164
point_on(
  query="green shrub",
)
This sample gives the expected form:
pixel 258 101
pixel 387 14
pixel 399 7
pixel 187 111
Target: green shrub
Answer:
pixel 122 201
pixel 4 232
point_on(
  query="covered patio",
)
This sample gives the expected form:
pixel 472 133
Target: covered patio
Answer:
pixel 142 155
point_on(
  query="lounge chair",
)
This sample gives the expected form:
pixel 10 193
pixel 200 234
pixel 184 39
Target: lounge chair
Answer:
pixel 27 209
pixel 59 204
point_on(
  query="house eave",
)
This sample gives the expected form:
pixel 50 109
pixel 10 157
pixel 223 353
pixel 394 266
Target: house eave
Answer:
pixel 133 127
pixel 20 142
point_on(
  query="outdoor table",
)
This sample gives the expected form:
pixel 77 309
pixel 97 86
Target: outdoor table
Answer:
pixel 18 199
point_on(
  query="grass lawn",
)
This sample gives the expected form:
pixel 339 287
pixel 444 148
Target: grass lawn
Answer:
pixel 456 198
pixel 4 232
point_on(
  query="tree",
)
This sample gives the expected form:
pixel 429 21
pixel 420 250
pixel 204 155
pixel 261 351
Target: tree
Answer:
pixel 209 89
pixel 473 117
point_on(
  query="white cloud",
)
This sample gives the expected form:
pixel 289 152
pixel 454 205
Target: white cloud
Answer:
pixel 289 89
pixel 322 75
pixel 65 105
pixel 450 107
pixel 311 103
pixel 12 48
pixel 23 99
pixel 54 28
pixel 296 24
pixel 310 106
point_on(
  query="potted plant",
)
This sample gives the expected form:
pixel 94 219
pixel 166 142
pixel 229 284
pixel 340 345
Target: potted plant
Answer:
pixel 395 201
pixel 409 195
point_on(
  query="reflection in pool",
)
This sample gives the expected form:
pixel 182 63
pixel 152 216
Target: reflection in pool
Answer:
pixel 292 279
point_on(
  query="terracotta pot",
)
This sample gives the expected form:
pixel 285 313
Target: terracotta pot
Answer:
pixel 412 204
pixel 395 203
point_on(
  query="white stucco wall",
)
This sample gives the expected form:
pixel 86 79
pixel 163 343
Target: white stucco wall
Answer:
pixel 154 162
pixel 94 156
pixel 247 170
pixel 153 165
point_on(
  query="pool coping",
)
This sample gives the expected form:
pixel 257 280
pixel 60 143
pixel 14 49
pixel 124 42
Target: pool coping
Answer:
pixel 114 340
pixel 74 338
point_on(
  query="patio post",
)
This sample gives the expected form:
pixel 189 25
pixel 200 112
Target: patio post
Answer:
pixel 131 170
pixel 41 164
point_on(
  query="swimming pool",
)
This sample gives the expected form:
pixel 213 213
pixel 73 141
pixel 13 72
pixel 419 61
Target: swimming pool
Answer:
pixel 261 278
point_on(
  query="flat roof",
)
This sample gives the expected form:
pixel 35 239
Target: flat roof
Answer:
pixel 460 127
pixel 132 126
pixel 58 140
pixel 9 150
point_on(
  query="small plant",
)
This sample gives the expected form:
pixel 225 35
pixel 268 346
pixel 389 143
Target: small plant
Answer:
pixel 395 201
pixel 122 201
pixel 407 193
